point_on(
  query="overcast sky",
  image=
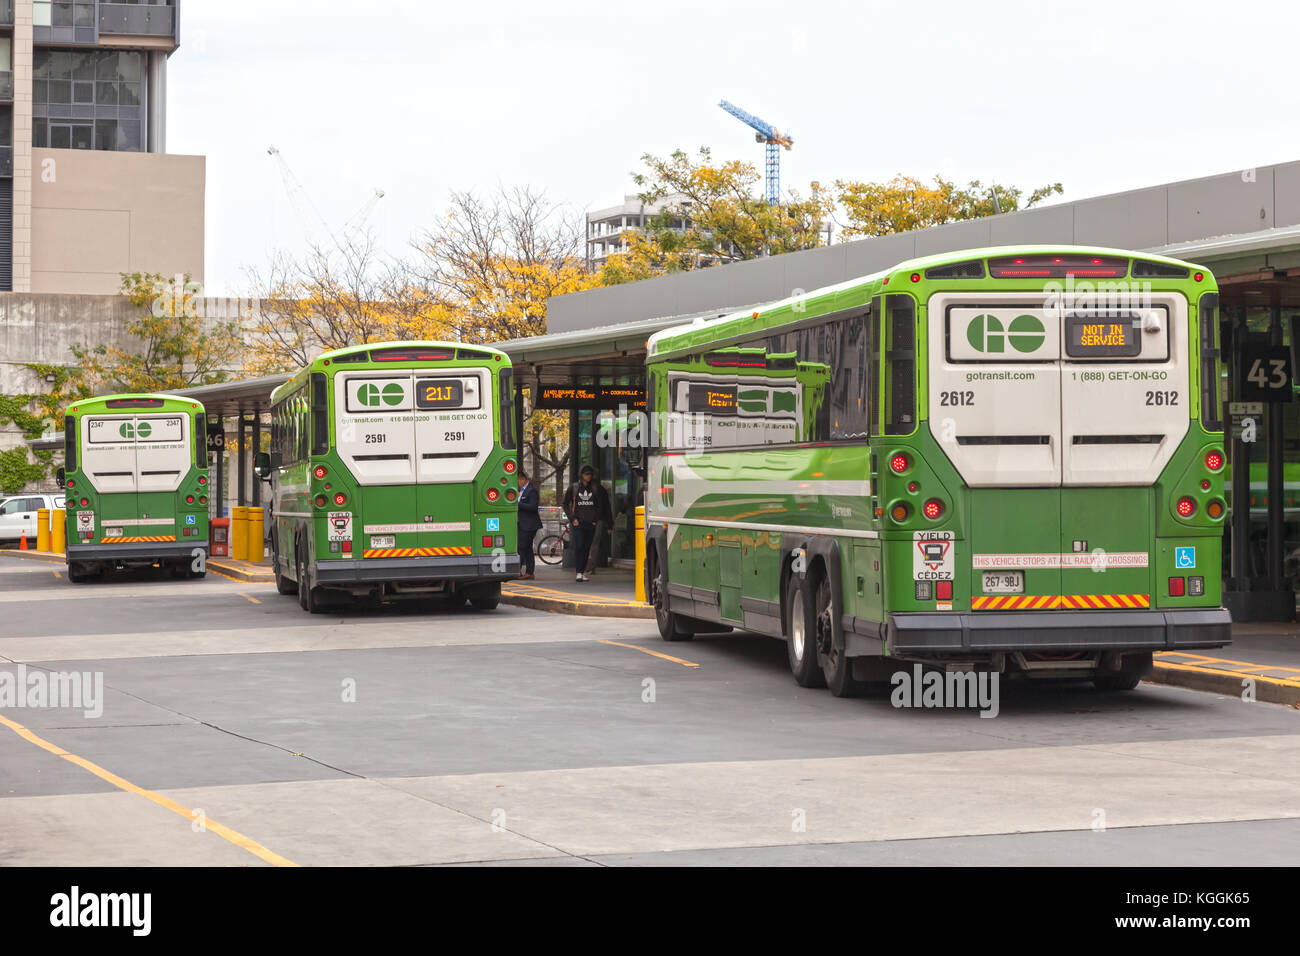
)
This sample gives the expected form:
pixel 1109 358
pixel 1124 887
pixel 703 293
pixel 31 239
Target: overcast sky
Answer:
pixel 420 98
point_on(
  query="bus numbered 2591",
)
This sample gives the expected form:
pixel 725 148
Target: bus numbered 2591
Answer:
pixel 135 474
pixel 1007 460
pixel 393 474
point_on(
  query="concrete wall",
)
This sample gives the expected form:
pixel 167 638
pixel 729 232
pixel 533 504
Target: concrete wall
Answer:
pixel 96 214
pixel 1241 201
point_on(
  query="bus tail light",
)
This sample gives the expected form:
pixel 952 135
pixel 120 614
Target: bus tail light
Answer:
pixel 1175 587
pixel 1186 506
pixel 203 499
pixel 203 480
pixel 943 590
pixel 340 499
pixel 487 540
pixel 84 502
pixel 899 512
pixel 933 508
pixel 510 466
pixel 71 483
pixel 347 547
pixel 510 494
pixel 1214 460
pixel 493 494
pixel 320 471
pixel 320 501
pixel 1215 508
pixel 189 499
pixel 900 463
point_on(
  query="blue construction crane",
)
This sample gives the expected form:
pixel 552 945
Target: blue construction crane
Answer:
pixel 769 134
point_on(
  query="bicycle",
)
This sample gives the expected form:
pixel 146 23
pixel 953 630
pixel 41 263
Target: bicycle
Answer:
pixel 550 550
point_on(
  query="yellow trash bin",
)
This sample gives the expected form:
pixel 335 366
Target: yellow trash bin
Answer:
pixel 42 529
pixel 58 532
pixel 640 553
pixel 256 532
pixel 238 533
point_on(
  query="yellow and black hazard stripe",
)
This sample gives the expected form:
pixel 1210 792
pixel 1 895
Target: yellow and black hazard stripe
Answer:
pixel 138 539
pixel 415 552
pixel 1052 602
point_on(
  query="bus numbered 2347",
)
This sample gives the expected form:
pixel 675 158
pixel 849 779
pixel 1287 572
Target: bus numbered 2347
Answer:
pixel 393 474
pixel 1006 460
pixel 135 474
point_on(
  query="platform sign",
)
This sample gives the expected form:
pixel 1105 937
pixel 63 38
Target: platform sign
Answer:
pixel 1266 374
pixel 1241 412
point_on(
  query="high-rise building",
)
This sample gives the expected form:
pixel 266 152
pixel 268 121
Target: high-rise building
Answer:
pixel 87 190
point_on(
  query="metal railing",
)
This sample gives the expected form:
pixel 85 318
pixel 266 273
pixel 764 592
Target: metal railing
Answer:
pixel 137 19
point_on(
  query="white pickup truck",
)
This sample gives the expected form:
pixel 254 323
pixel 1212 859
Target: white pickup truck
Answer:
pixel 18 515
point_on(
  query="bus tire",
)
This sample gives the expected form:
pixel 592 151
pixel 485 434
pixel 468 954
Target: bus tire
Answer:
pixel 76 575
pixel 836 666
pixel 283 585
pixel 670 624
pixel 308 597
pixel 800 631
pixel 485 597
pixel 1136 666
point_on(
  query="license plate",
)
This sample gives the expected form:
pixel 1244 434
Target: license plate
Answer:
pixel 382 540
pixel 1003 582
pixel 112 532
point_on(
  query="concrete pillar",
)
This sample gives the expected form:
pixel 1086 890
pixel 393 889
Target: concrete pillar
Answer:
pixel 22 244
pixel 156 104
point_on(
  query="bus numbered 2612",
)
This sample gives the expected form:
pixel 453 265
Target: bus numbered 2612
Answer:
pixel 135 474
pixel 1007 460
pixel 393 474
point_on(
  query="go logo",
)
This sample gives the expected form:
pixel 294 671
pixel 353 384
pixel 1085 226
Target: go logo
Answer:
pixel 987 334
pixel 666 486
pixel 139 430
pixel 372 396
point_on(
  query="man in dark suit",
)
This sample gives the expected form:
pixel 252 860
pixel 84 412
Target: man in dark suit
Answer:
pixel 529 524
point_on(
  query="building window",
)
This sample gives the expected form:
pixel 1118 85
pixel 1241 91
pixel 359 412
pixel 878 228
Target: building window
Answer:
pixel 91 99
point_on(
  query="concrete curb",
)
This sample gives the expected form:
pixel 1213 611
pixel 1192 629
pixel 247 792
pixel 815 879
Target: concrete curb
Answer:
pixel 1227 684
pixel 49 557
pixel 581 608
pixel 258 576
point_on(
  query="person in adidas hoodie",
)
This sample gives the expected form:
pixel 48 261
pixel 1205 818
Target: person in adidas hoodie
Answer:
pixel 586 504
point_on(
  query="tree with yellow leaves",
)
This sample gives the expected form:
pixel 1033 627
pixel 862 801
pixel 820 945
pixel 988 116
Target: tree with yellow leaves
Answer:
pixel 905 203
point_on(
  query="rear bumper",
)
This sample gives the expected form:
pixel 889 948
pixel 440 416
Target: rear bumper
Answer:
pixel 140 551
pixel 412 570
pixel 922 633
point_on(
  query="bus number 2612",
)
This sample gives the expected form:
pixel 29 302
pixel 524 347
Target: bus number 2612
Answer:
pixel 956 398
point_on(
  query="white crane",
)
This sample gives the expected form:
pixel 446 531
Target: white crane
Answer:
pixel 314 226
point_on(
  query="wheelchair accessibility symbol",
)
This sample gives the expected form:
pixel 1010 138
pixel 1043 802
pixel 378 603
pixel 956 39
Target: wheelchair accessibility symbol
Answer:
pixel 494 524
pixel 190 519
pixel 1184 557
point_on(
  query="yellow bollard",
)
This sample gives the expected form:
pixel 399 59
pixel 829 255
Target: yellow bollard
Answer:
pixel 256 531
pixel 59 532
pixel 42 529
pixel 238 534
pixel 640 553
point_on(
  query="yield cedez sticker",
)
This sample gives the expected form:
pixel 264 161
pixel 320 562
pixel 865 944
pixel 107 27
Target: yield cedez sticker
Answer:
pixel 932 555
pixel 340 526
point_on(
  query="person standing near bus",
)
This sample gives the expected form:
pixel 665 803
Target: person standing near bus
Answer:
pixel 585 503
pixel 530 523
pixel 604 521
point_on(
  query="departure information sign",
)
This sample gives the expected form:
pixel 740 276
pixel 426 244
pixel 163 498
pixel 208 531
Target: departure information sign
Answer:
pixel 596 397
pixel 715 399
pixel 1106 336
pixel 439 393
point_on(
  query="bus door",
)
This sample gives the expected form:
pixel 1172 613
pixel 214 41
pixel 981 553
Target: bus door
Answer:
pixel 375 439
pixel 108 460
pixel 163 456
pixel 995 410
pixel 1125 389
pixel 453 440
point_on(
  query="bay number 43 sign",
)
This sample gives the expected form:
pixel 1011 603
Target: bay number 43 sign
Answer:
pixel 1266 374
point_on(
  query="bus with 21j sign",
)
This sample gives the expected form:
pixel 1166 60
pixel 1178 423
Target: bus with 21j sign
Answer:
pixel 135 473
pixel 1006 460
pixel 392 470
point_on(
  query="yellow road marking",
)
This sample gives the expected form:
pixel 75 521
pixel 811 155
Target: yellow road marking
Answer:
pixel 646 650
pixel 232 836
pixel 57 574
pixel 1278 681
pixel 1205 658
pixel 525 590
pixel 247 597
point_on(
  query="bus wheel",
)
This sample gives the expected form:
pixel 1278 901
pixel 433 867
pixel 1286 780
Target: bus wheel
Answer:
pixel 1136 666
pixel 282 584
pixel 77 574
pixel 670 624
pixel 801 630
pixel 485 597
pixel 308 599
pixel 835 665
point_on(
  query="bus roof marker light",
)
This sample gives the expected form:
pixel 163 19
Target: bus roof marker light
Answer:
pixel 916 277
pixel 1199 276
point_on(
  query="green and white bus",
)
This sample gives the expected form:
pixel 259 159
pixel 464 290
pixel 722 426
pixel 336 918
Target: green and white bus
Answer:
pixel 1004 459
pixel 393 473
pixel 136 477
